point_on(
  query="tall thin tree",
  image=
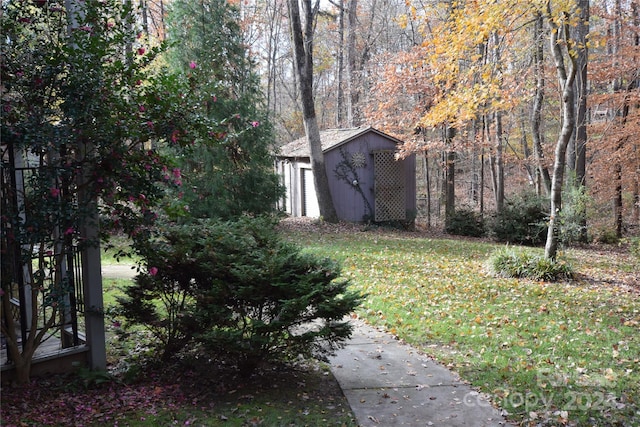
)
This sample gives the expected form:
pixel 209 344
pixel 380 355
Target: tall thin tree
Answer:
pixel 543 177
pixel 564 57
pixel 580 148
pixel 303 59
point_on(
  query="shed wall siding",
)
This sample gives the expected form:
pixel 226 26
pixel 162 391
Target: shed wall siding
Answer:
pixel 349 202
pixel 291 174
pixel 409 172
pixel 309 199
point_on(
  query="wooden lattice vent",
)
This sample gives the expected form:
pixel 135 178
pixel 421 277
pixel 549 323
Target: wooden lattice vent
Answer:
pixel 389 187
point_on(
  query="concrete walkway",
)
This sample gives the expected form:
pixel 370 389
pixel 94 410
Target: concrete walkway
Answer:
pixel 388 383
pixel 118 271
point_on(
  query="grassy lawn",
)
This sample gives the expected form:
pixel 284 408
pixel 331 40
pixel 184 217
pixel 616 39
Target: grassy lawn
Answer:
pixel 114 251
pixel 546 352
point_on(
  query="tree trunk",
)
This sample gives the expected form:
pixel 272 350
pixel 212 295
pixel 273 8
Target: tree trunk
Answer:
pixel 582 33
pixel 499 173
pixel 617 87
pixel 340 67
pixel 21 353
pixel 617 201
pixel 562 53
pixel 571 148
pixel 144 11
pixel 526 152
pixel 636 147
pixel 493 168
pixel 450 173
pixel 621 116
pixel 636 197
pixel 303 58
pixel 352 91
pixel 273 32
pixel 544 178
pixel 427 178
pixel 475 164
pixel 482 180
pixel 499 143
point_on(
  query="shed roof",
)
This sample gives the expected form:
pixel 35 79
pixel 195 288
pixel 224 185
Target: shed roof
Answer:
pixel 330 139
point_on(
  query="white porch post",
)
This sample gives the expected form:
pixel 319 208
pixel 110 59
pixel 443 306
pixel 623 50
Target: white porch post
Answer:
pixel 93 302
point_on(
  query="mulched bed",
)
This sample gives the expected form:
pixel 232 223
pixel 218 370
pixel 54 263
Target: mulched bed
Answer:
pixel 85 400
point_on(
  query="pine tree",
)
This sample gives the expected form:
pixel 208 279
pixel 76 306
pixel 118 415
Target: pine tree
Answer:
pixel 233 173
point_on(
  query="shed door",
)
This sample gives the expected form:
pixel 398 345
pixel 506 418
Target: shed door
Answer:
pixel 389 187
pixel 310 206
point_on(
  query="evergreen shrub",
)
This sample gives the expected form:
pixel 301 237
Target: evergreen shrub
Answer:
pixel 239 292
pixel 575 202
pixel 523 220
pixel 607 236
pixel 465 222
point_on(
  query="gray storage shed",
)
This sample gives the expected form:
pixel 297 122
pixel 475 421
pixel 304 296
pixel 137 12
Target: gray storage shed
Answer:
pixel 367 182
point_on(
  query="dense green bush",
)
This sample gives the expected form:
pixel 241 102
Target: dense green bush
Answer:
pixel 523 220
pixel 607 236
pixel 465 222
pixel 239 292
pixel 509 262
pixel 573 228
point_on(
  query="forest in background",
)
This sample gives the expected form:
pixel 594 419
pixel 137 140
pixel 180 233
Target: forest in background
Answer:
pixel 473 88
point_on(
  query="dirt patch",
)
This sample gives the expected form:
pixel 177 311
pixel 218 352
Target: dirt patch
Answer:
pixel 314 225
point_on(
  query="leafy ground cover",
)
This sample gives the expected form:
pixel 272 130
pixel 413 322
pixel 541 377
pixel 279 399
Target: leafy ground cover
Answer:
pixel 306 396
pixel 547 353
